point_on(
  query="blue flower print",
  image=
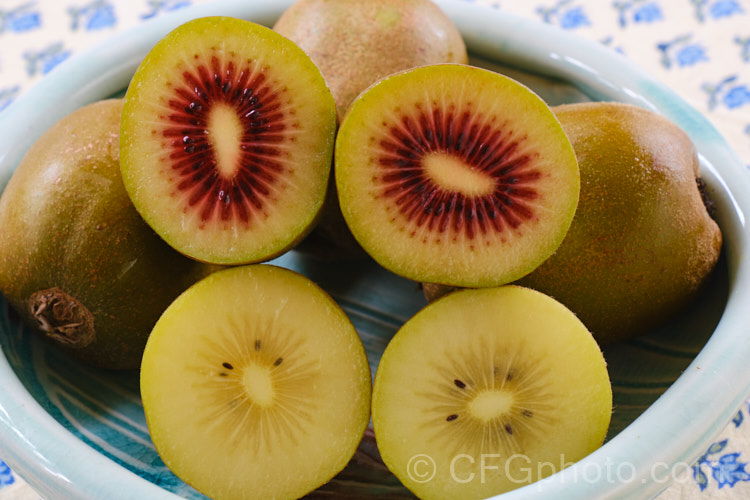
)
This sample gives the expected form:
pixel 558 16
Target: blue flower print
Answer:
pixel 96 15
pixel 725 8
pixel 681 51
pixel 727 92
pixel 726 470
pixel 691 54
pixel 22 18
pixel 6 475
pixel 638 11
pixel 564 15
pixel 737 96
pixel 574 18
pixel 159 6
pixel 7 95
pixel 44 60
pixel 744 44
pixel 648 13
pixel 715 9
pixel 738 419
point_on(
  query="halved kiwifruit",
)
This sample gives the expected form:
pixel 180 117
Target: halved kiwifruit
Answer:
pixel 255 384
pixel 227 139
pixel 456 175
pixel 486 390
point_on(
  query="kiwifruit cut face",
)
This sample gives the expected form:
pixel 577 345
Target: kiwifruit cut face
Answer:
pixel 454 174
pixel 486 390
pixel 255 384
pixel 227 140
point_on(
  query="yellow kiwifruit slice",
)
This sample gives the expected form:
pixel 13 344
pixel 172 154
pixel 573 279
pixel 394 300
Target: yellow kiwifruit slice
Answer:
pixel 226 141
pixel 487 390
pixel 457 175
pixel 255 384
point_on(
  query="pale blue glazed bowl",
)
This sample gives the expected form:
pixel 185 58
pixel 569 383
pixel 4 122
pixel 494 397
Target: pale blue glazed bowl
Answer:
pixel 74 432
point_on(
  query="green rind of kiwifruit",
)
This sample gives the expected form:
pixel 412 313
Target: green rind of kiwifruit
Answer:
pixel 424 255
pixel 67 225
pixel 512 341
pixel 642 243
pixel 212 341
pixel 309 148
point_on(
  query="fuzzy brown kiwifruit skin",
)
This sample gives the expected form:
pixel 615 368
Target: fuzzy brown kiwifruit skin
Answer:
pixel 74 249
pixel 355 43
pixel 642 243
pixel 433 291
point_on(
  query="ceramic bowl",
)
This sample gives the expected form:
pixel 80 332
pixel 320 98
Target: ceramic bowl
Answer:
pixel 74 432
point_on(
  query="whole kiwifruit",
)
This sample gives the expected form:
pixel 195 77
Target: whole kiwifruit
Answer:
pixel 642 242
pixel 357 42
pixel 76 260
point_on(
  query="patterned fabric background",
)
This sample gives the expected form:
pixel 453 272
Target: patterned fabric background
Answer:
pixel 700 48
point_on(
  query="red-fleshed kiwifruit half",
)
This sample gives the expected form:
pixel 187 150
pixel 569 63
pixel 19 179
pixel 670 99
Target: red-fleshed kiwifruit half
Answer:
pixel 457 175
pixel 226 141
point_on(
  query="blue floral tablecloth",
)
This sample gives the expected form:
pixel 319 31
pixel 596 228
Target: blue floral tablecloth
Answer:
pixel 700 48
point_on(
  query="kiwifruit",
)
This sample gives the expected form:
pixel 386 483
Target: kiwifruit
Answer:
pixel 434 291
pixel 454 174
pixel 330 240
pixel 486 390
pixel 227 140
pixel 642 243
pixel 355 43
pixel 76 260
pixel 255 384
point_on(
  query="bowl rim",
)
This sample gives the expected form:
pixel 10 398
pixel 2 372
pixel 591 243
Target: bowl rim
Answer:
pixel 49 457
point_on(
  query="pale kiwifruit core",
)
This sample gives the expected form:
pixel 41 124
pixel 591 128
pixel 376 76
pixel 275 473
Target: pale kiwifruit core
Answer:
pixel 450 173
pixel 223 130
pixel 225 143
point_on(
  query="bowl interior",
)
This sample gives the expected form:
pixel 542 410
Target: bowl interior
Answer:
pixel 103 409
